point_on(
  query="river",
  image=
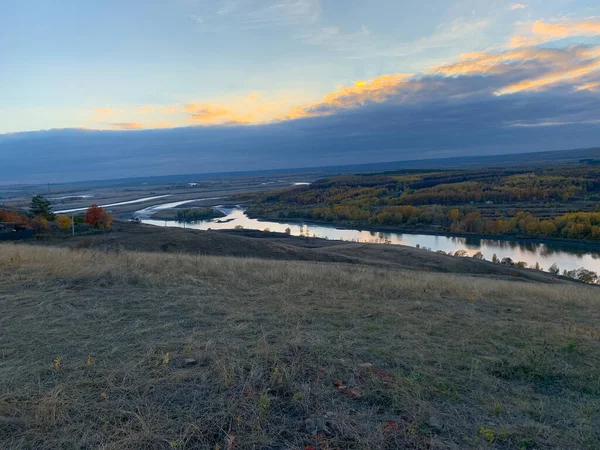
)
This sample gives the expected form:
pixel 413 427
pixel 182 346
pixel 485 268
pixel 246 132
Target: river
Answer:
pixel 565 256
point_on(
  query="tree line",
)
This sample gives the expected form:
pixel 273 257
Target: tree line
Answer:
pixel 40 217
pixel 454 201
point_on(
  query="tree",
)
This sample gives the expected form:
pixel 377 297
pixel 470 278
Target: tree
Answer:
pixel 108 220
pixel 460 253
pixel 554 270
pixel 453 215
pixel 40 207
pixel 288 230
pixel 478 255
pixel 39 223
pixel 494 258
pixel 95 216
pixel 63 222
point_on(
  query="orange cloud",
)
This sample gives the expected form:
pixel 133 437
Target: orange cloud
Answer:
pixel 487 63
pixel 209 114
pixel 541 32
pixel 556 65
pixel 376 90
pixel 588 87
pixel 552 78
pixel 525 67
pixel 127 125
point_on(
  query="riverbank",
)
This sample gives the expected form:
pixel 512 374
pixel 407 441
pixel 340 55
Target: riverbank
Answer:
pixel 572 243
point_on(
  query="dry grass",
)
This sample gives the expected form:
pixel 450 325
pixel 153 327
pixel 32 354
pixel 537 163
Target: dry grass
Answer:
pixel 93 344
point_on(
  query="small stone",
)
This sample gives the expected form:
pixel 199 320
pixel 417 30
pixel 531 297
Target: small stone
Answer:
pixel 189 362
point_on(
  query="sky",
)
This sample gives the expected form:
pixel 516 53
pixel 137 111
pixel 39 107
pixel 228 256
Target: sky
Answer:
pixel 155 86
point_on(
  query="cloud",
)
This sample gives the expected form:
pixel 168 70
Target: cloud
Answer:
pixel 529 68
pixel 589 86
pixel 252 15
pixel 126 125
pixel 547 79
pixel 376 90
pixel 146 110
pixel 103 114
pixel 540 31
pixel 244 108
pixel 516 6
pixel 425 118
pixel 209 113
pixel 283 13
pixel 227 8
pixel 499 72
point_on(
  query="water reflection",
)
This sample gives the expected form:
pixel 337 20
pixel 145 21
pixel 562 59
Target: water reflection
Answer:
pixel 566 257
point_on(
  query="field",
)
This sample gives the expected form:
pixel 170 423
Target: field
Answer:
pixel 125 350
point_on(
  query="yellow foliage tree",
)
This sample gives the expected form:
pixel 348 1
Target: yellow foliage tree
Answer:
pixel 108 220
pixel 63 222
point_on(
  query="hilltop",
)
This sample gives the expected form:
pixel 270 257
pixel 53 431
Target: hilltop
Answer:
pixel 113 348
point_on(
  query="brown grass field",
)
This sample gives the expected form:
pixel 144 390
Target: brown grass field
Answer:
pixel 288 355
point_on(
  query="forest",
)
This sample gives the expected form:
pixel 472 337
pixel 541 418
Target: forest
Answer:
pixel 555 202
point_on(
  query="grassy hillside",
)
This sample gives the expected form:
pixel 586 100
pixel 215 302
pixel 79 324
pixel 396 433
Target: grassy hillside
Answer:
pixel 288 354
pixel 250 243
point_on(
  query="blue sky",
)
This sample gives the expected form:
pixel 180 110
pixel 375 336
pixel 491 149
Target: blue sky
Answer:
pixel 282 64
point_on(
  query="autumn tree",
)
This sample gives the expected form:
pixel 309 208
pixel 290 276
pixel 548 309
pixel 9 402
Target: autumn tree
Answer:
pixel 453 215
pixel 97 217
pixel 63 222
pixel 40 207
pixel 39 223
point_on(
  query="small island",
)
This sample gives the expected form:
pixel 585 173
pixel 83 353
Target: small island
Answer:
pixel 188 214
